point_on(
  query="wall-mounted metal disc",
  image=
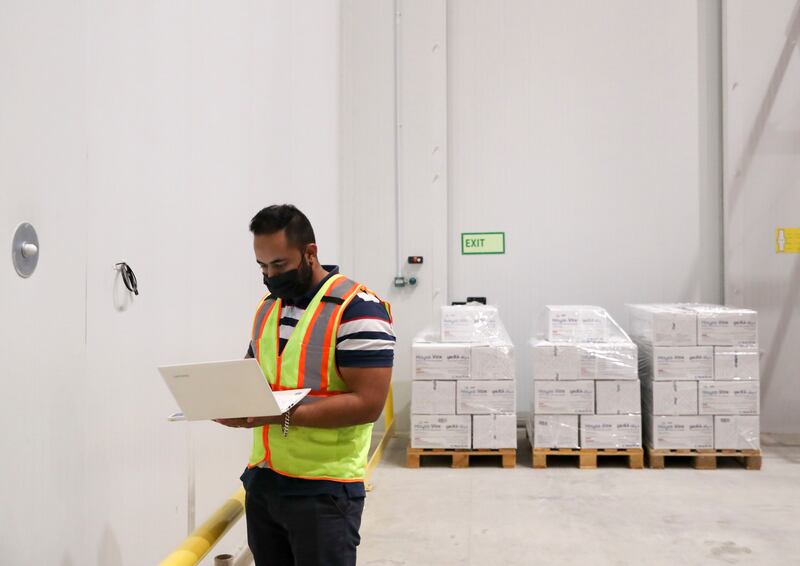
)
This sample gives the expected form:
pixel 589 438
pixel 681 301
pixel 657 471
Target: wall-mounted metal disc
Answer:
pixel 25 250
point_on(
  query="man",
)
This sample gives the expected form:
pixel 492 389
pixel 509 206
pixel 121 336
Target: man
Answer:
pixel 314 329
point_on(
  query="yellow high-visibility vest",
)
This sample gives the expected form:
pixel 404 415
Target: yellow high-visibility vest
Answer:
pixel 309 361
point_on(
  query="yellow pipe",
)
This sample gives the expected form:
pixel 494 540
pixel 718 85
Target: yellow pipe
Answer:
pixel 388 431
pixel 389 408
pixel 203 539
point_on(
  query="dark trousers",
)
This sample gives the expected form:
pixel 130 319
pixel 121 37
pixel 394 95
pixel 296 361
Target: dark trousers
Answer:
pixel 307 530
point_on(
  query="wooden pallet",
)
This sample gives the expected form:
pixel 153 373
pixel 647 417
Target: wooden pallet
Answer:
pixel 460 457
pixel 587 457
pixel 704 459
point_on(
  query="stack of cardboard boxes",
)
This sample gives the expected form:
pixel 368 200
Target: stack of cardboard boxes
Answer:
pixel 700 378
pixel 586 391
pixel 463 392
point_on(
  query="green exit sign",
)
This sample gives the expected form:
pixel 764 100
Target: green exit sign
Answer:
pixel 474 243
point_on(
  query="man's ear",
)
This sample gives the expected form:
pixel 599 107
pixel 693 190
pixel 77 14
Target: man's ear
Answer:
pixel 311 252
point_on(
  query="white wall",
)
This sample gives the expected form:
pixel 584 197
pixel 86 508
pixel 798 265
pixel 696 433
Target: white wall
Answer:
pixel 762 189
pixel 148 132
pixel 42 348
pixel 367 175
pixel 575 128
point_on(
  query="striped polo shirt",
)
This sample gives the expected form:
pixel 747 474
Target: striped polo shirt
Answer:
pixel 365 338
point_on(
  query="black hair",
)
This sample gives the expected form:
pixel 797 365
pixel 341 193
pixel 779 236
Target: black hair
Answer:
pixel 277 217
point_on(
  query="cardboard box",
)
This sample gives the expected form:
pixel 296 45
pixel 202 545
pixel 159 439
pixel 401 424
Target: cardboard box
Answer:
pixel 672 363
pixel 729 398
pixel 492 361
pixel 611 431
pixel 470 323
pixel 485 397
pixel 735 363
pixel 433 398
pixel 613 361
pixel 435 360
pixel 443 431
pixel 670 398
pixel 553 431
pixel 675 433
pixel 662 325
pixel 494 431
pixel 618 397
pixel 726 326
pixel 563 397
pixel 555 362
pixel 736 433
pixel 576 323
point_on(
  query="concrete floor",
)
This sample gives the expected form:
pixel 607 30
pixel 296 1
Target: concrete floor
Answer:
pixel 489 516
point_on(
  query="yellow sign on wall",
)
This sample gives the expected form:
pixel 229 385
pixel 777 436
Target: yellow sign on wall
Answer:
pixel 787 240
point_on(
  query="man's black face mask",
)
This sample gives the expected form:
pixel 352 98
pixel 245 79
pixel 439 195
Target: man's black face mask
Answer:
pixel 292 284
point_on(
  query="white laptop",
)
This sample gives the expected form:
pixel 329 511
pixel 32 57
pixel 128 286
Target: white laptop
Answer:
pixel 226 390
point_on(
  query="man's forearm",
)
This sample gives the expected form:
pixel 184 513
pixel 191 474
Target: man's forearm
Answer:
pixel 347 409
